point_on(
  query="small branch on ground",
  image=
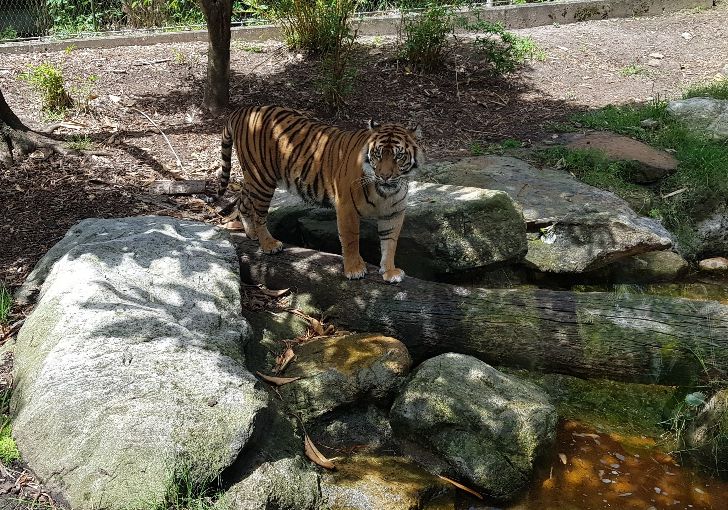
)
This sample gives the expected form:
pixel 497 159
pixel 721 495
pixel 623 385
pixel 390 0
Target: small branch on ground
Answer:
pixel 169 144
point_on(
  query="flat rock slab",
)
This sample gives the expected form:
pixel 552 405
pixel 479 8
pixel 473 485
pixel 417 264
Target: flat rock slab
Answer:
pixel 573 227
pixel 341 370
pixel 489 427
pixel 130 371
pixel 704 114
pixel 447 229
pixel 651 164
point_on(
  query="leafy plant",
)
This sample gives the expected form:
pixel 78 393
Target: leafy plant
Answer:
pixel 47 79
pixel 503 51
pixel 425 36
pixel 8 33
pixel 337 73
pixel 83 92
pixel 315 26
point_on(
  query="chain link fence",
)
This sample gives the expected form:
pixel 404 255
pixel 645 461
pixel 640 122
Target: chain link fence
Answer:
pixel 28 19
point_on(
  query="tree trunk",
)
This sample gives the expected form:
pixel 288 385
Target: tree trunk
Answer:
pixel 635 338
pixel 217 89
pixel 16 136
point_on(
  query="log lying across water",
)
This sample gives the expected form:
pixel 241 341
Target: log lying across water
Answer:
pixel 635 338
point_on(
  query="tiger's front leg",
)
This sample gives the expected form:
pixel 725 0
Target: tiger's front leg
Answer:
pixel 389 229
pixel 347 221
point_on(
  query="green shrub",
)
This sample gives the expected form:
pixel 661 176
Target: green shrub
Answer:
pixel 337 74
pixel 315 26
pixel 503 51
pixel 425 36
pixel 47 80
pixel 8 33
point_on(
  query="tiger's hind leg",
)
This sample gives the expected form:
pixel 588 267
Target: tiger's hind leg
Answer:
pixel 246 215
pixel 256 224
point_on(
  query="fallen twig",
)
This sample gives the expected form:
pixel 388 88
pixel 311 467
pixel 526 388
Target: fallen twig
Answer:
pixel 11 331
pixel 169 144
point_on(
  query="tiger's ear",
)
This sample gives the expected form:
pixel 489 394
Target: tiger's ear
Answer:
pixel 416 131
pixel 373 125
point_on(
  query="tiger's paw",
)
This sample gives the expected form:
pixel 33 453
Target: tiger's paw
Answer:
pixel 271 247
pixel 395 275
pixel 355 270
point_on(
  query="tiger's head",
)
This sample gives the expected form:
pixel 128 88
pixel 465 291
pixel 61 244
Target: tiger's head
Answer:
pixel 391 155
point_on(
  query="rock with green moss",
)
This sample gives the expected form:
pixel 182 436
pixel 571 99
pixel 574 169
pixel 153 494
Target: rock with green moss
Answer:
pixel 342 370
pixel 573 227
pixel 129 372
pixel 289 483
pixel 707 437
pixel 487 426
pixel 650 267
pixel 447 229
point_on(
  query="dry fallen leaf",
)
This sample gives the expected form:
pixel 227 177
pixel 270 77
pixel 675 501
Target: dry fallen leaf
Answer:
pixel 315 455
pixel 562 456
pixel 283 360
pixel 273 293
pixel 461 486
pixel 278 381
pixel 234 226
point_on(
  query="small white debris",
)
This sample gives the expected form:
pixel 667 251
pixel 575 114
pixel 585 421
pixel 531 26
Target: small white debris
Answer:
pixel 654 62
pixel 625 494
pixel 606 480
pixel 658 490
pixel 699 491
pixel 562 457
pixel 615 466
pixel 686 35
pixel 656 55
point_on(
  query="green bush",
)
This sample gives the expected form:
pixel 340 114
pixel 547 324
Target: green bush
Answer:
pixel 47 80
pixel 315 26
pixel 425 36
pixel 503 51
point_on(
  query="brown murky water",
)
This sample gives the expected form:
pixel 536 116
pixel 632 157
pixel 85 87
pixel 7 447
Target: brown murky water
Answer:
pixel 594 471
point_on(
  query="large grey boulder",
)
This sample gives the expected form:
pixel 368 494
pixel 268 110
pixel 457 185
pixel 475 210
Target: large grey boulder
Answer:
pixel 487 426
pixel 447 229
pixel 573 227
pixel 129 373
pixel 342 370
pixel 703 114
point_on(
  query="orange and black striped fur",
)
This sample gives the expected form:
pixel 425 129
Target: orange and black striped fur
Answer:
pixel 361 173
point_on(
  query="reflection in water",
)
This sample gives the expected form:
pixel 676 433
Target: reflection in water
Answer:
pixel 594 471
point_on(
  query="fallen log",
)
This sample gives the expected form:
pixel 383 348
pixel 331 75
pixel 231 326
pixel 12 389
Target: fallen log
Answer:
pixel 634 338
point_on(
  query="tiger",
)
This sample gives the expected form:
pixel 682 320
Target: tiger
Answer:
pixel 360 173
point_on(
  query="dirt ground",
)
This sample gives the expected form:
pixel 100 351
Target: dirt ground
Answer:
pixel 585 68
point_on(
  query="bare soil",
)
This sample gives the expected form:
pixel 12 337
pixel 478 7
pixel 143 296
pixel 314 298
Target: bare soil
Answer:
pixel 585 68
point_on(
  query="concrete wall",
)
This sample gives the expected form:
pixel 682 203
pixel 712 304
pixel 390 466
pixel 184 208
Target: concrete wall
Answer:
pixel 513 16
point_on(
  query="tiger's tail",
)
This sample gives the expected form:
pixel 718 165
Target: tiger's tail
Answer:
pixel 226 150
